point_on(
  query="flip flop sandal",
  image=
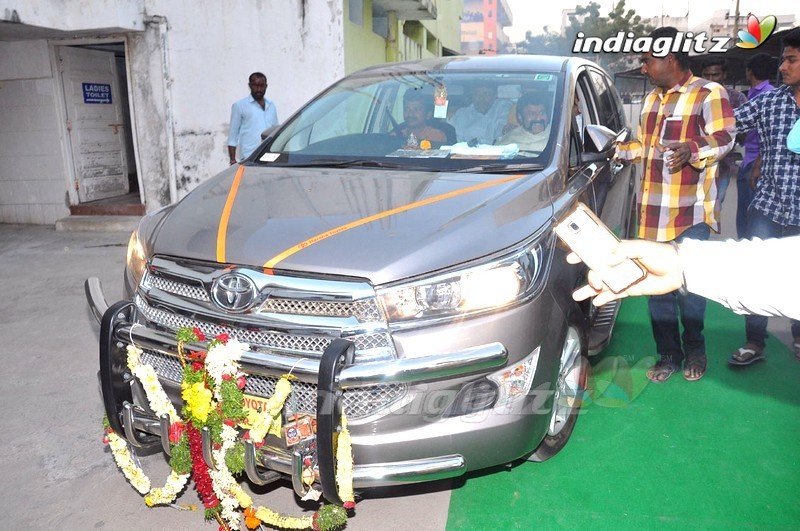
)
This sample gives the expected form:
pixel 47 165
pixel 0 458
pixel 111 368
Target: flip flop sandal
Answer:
pixel 695 366
pixel 746 355
pixel 662 370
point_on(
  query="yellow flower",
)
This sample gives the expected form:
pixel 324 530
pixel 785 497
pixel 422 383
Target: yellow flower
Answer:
pixel 198 401
pixel 134 353
pixel 344 466
pixel 272 409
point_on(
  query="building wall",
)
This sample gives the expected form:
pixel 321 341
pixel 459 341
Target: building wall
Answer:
pixel 187 61
pixel 205 57
pixel 482 26
pixel 362 46
pixel 186 66
pixel 447 26
pixel 32 183
pixel 366 44
pixel 77 15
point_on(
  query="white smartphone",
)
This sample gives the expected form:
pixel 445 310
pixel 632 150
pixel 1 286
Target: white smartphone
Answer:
pixel 594 243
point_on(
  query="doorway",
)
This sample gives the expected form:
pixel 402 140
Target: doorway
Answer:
pixel 104 179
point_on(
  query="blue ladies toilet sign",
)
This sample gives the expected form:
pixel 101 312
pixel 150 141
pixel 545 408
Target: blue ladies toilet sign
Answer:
pixel 96 93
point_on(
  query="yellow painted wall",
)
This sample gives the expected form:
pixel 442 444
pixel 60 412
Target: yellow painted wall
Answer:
pixel 362 47
pixel 415 39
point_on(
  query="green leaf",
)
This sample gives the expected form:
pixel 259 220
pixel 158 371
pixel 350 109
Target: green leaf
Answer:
pixel 331 517
pixel 181 458
pixel 232 398
pixel 235 459
pixel 186 334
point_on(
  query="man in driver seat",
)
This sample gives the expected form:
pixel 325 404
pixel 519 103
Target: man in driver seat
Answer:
pixel 418 126
pixel 534 120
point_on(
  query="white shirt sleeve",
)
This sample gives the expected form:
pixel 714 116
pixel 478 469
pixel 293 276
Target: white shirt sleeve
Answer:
pixel 748 276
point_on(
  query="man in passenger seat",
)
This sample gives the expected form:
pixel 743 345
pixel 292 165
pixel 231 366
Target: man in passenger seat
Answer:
pixel 482 121
pixel 533 114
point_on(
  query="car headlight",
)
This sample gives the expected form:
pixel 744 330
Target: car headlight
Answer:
pixel 137 258
pixel 476 289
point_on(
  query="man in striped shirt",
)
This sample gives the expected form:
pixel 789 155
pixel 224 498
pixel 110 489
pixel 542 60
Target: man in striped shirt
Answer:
pixel 686 127
pixel 775 209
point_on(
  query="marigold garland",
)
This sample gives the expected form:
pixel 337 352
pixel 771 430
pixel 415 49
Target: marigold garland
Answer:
pixel 272 410
pixel 212 392
pixel 231 495
pixel 344 465
pixel 160 404
pixel 134 474
pixel 158 399
pixel 163 496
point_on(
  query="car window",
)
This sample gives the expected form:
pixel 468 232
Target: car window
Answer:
pixel 426 120
pixel 606 104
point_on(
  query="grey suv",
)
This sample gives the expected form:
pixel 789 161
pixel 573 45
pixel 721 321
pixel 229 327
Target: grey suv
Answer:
pixel 403 266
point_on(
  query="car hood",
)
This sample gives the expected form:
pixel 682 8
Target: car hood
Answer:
pixel 380 225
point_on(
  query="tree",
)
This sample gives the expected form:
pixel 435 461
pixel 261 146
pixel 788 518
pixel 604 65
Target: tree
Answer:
pixel 548 43
pixel 588 20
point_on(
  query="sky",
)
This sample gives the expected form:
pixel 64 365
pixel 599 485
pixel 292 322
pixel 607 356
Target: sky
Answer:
pixel 533 15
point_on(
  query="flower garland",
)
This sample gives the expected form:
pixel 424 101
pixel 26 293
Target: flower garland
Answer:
pixel 226 488
pixel 158 399
pixel 160 404
pixel 344 468
pixel 122 456
pixel 212 391
pixel 272 410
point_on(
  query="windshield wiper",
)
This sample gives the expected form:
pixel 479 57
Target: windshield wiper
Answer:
pixel 353 163
pixel 502 168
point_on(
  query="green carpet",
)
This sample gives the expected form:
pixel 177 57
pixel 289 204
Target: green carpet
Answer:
pixel 719 453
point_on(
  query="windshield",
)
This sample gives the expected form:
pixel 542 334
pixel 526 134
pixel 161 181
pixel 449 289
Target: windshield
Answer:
pixel 427 121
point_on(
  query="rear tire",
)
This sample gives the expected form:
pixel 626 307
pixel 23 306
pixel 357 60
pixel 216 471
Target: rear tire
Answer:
pixel 569 392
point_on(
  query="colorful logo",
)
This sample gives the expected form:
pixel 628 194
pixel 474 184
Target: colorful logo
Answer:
pixel 757 32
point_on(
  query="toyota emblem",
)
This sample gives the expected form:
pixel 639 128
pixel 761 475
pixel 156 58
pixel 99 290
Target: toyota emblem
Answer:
pixel 233 292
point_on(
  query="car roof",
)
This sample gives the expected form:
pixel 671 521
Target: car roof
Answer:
pixel 479 63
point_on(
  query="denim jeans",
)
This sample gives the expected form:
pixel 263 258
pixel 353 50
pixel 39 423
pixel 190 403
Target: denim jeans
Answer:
pixel 722 186
pixel 760 226
pixel 725 169
pixel 745 197
pixel 665 310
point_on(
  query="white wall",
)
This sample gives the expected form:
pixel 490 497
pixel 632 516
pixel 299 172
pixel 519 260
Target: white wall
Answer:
pixel 76 15
pixel 182 82
pixel 32 182
pixel 210 54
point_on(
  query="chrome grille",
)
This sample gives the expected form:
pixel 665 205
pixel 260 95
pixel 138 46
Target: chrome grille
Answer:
pixel 364 311
pixel 358 403
pixel 305 345
pixel 182 289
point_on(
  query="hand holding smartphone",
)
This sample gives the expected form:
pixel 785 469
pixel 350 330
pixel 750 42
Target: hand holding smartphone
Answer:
pixel 594 243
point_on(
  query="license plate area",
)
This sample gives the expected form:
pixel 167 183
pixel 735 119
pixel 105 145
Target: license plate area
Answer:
pixel 295 427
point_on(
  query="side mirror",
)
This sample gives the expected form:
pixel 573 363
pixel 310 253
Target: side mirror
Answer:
pixel 599 142
pixel 598 138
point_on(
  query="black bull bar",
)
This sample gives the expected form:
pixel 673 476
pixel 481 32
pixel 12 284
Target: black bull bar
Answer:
pixel 335 372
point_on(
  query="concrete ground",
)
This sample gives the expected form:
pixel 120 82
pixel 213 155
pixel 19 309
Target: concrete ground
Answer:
pixel 56 473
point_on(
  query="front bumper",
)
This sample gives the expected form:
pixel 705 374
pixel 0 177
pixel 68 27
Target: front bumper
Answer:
pixel 143 429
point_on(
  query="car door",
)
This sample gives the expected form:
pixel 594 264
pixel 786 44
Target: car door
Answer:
pixel 613 187
pixel 586 174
